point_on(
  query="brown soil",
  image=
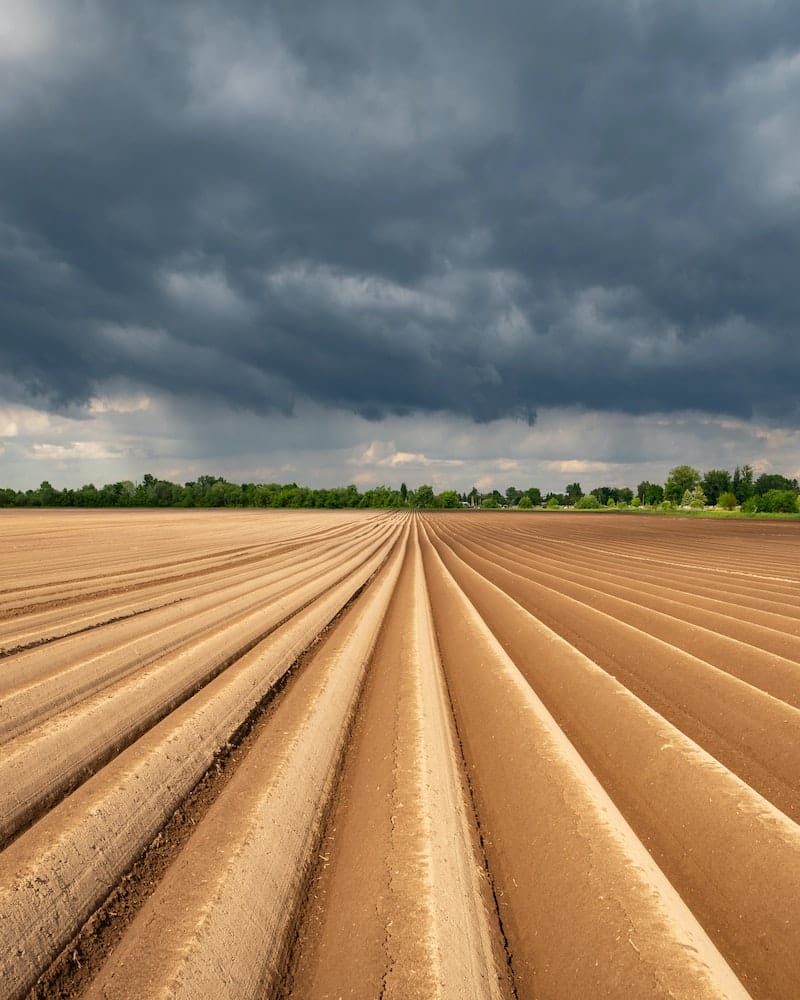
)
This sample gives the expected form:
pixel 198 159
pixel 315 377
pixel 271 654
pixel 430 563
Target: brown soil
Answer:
pixel 349 754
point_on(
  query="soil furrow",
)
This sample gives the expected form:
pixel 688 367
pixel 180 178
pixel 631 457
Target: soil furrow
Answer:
pixel 50 626
pixel 74 744
pixel 55 875
pixel 751 732
pixel 57 680
pixel 399 906
pixel 761 657
pixel 649 594
pixel 588 912
pixel 239 883
pixel 356 754
pixel 699 804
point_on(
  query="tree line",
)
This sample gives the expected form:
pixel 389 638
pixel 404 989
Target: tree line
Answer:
pixel 214 491
pixel 685 487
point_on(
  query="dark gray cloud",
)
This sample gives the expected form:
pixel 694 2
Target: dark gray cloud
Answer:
pixel 403 207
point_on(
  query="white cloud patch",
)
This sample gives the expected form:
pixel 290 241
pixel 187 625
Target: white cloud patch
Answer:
pixel 203 292
pixel 385 455
pixel 362 292
pixel 121 438
pixel 27 30
pixel 134 403
pixel 21 421
pixel 76 450
pixel 580 467
pixel 43 44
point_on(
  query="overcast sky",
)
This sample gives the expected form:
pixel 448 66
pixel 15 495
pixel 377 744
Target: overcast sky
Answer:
pixel 449 242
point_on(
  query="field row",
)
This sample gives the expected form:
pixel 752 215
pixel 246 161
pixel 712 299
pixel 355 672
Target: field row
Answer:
pixel 352 754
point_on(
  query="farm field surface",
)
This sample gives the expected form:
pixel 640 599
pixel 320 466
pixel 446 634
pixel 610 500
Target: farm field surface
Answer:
pixel 303 754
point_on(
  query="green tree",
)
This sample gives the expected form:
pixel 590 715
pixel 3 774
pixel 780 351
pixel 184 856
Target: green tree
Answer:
pixel 164 493
pixel 294 496
pixel 767 482
pixel 574 492
pixel 48 496
pixel 534 494
pixel 381 497
pixel 603 494
pixel 525 502
pixel 449 499
pixel 404 492
pixel 425 496
pixel 87 496
pixel 742 483
pixel 726 501
pixel 116 494
pixel 553 502
pixel 715 482
pixel 490 503
pixel 588 502
pixel 777 502
pixel 698 500
pixel 680 479
pixel 650 494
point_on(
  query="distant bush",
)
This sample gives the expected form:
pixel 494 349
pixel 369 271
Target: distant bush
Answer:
pixel 698 500
pixel 588 502
pixel 448 499
pixel 636 502
pixel 777 502
pixel 726 501
pixel 525 503
pixel 695 498
pixel 553 504
pixel 750 506
pixel 491 503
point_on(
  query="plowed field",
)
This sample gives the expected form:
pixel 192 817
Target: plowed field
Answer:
pixel 354 754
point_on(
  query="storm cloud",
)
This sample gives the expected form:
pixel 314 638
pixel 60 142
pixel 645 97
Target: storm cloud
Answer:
pixel 397 209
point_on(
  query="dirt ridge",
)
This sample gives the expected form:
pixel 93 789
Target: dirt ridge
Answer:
pixel 399 755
